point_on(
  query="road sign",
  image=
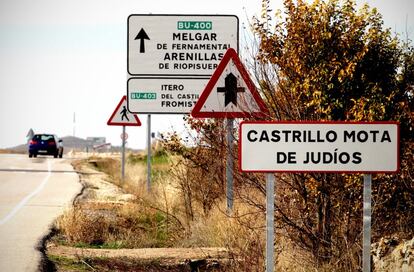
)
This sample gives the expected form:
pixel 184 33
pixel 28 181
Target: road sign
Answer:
pixel 122 117
pixel 164 95
pixel 230 93
pixel 342 147
pixel 124 136
pixel 179 45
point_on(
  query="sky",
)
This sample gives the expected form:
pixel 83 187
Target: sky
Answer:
pixel 60 59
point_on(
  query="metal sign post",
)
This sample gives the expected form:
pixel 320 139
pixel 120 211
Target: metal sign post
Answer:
pixel 366 235
pixel 229 166
pixel 270 220
pixel 149 153
pixel 123 155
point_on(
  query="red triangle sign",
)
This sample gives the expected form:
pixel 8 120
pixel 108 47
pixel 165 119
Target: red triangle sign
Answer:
pixel 122 117
pixel 230 93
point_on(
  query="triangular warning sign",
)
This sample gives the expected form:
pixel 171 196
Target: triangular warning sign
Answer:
pixel 230 93
pixel 122 117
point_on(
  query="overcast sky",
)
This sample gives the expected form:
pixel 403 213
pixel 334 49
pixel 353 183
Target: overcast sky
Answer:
pixel 58 58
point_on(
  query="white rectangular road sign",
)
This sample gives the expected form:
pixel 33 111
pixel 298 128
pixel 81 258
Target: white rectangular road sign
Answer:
pixel 179 45
pixel 164 95
pixel 341 147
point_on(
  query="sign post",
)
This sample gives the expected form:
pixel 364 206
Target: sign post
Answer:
pixel 270 222
pixel 123 154
pixel 149 153
pixel 328 147
pixel 122 117
pixel 366 235
pixel 229 166
pixel 229 94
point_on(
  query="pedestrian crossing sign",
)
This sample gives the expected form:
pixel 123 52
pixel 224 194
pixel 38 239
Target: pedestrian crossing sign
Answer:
pixel 122 117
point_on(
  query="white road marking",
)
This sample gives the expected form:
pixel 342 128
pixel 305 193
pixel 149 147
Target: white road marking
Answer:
pixel 19 169
pixel 28 197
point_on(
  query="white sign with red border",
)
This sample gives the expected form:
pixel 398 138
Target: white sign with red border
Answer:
pixel 230 93
pixel 122 117
pixel 339 147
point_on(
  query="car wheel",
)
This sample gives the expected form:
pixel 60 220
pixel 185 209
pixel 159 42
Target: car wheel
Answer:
pixel 30 155
pixel 55 155
pixel 35 155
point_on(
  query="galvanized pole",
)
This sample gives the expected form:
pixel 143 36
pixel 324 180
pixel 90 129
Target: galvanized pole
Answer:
pixel 270 229
pixel 149 153
pixel 229 166
pixel 123 155
pixel 366 236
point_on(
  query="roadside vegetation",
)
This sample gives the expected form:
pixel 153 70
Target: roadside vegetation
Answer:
pixel 324 60
pixel 116 214
pixel 128 218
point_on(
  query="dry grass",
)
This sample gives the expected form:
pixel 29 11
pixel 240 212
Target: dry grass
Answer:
pixel 243 233
pixel 163 206
pixel 114 226
pixel 79 226
pixel 108 217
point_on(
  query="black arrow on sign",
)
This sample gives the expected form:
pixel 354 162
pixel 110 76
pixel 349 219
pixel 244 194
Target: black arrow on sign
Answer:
pixel 142 35
pixel 230 90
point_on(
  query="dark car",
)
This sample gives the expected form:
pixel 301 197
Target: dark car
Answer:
pixel 45 144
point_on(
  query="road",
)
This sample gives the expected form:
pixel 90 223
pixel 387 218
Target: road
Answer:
pixel 33 192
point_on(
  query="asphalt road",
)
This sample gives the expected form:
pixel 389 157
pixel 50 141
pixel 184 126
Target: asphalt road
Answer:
pixel 33 192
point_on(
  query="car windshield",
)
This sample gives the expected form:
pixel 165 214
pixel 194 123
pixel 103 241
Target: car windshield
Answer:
pixel 44 137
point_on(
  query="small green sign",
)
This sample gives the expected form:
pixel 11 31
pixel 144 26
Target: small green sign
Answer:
pixel 194 25
pixel 143 96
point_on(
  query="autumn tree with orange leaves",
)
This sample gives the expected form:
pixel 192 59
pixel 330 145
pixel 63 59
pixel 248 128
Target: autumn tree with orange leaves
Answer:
pixel 329 61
